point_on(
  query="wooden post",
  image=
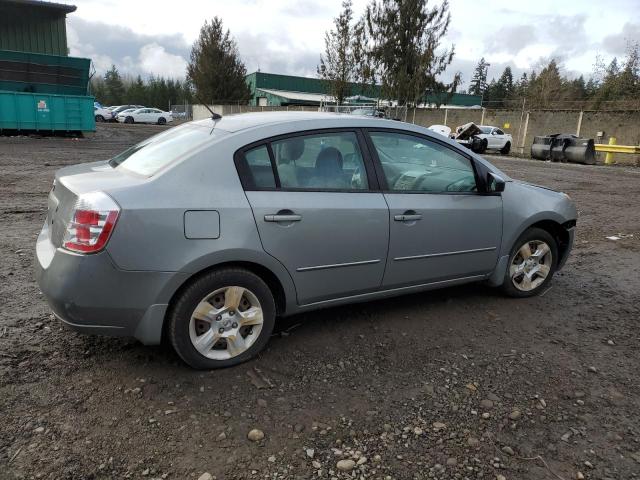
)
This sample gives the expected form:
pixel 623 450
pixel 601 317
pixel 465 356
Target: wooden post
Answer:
pixel 579 123
pixel 524 100
pixel 482 117
pixel 446 113
pixel 524 133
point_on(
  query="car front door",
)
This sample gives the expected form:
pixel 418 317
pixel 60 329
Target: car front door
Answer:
pixel 143 115
pixel 495 139
pixel 441 227
pixel 500 138
pixel 318 211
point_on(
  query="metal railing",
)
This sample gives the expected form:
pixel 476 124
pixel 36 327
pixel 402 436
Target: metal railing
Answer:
pixel 612 147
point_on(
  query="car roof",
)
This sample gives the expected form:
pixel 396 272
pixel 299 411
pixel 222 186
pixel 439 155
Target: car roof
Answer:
pixel 245 121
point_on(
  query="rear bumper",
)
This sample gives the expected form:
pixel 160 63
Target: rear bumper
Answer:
pixel 91 295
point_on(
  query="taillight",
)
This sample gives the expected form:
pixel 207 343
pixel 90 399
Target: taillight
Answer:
pixel 92 221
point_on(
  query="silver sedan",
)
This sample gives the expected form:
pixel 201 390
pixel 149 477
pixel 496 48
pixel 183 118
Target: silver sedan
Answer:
pixel 207 233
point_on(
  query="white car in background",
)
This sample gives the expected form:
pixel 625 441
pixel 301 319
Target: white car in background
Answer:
pixel 145 115
pixel 496 138
pixel 102 114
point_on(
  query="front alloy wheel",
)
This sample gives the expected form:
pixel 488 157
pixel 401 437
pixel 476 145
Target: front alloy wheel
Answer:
pixel 532 263
pixel 222 318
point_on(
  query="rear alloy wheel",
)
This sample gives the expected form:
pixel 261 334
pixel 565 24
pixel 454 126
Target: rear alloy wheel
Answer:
pixel 162 121
pixel 224 318
pixel 532 264
pixel 505 150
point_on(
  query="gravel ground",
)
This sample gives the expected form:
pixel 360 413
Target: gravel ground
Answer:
pixel 452 384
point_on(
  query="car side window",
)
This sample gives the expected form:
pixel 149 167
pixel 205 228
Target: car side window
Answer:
pixel 260 169
pixel 499 132
pixel 415 164
pixel 327 161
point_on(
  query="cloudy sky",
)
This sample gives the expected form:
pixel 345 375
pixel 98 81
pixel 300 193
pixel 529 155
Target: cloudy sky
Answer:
pixel 155 36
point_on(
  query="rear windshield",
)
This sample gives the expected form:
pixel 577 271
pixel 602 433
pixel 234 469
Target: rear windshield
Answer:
pixel 149 156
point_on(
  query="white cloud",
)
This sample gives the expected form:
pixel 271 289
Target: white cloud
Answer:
pixel 154 59
pixel 283 36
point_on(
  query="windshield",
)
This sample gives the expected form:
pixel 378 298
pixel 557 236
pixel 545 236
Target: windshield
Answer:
pixel 486 130
pixel 149 156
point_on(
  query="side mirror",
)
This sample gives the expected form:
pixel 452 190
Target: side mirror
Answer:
pixel 495 183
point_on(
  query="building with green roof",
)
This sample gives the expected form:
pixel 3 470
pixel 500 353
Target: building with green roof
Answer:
pixel 269 89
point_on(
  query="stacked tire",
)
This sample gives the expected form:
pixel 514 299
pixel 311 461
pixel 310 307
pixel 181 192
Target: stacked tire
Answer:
pixel 564 148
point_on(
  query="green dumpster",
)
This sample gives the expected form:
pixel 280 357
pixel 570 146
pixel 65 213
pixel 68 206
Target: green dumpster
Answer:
pixel 45 113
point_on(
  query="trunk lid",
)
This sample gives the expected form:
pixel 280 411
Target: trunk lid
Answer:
pixel 71 182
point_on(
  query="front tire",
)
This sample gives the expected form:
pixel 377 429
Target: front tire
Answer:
pixel 532 263
pixel 221 319
pixel 505 150
pixel 479 145
pixel 162 121
pixel 99 118
pixel 128 120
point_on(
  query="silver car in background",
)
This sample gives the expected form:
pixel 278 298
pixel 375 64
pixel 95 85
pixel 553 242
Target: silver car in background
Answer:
pixel 206 233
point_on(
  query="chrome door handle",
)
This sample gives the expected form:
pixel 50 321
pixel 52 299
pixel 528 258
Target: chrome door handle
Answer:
pixel 411 217
pixel 283 218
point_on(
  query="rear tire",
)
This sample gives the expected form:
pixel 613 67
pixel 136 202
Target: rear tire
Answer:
pixel 505 150
pixel 532 264
pixel 221 319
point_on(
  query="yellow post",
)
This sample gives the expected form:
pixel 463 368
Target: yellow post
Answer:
pixel 608 159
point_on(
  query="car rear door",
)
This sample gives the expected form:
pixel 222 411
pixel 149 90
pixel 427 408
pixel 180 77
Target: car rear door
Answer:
pixel 318 210
pixel 154 115
pixel 441 227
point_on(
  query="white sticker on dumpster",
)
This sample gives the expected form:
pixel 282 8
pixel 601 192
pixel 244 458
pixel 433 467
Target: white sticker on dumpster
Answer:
pixel 42 106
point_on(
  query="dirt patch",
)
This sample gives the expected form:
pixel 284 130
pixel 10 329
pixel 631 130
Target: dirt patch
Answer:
pixel 456 383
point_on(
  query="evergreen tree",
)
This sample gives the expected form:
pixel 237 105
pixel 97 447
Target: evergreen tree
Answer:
pixel 576 89
pixel 492 95
pixel 521 86
pixel 96 88
pixel 215 69
pixel 406 47
pixel 478 82
pixel 337 65
pixel 364 70
pixel 113 87
pixel 137 92
pixel 547 87
pixel 506 83
pixel 498 92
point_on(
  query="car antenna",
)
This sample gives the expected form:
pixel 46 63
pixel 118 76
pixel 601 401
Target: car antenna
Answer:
pixel 214 116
